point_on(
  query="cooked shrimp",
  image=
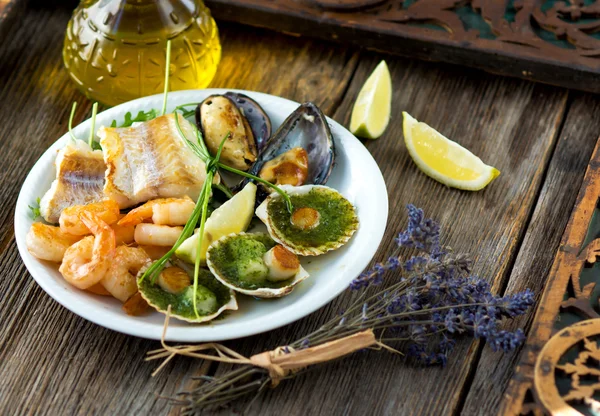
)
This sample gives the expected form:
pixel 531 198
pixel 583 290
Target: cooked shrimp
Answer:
pixel 123 233
pixel 120 280
pixel 155 252
pixel 163 211
pixel 136 305
pixel 70 219
pixel 98 289
pixel 86 262
pixel 48 243
pixel 157 235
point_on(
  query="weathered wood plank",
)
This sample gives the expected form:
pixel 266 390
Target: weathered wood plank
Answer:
pixel 51 361
pixel 536 255
pixel 510 124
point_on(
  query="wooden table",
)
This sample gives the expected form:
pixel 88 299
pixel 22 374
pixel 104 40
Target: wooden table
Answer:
pixel 540 137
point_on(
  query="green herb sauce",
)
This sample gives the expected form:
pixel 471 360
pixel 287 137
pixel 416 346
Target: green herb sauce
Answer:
pixel 337 217
pixel 211 295
pixel 239 261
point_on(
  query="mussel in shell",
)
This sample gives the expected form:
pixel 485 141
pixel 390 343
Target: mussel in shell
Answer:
pixel 247 124
pixel 255 265
pixel 259 121
pixel 322 219
pixel 305 128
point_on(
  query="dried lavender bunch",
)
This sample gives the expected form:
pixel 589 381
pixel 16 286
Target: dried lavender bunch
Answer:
pixel 428 300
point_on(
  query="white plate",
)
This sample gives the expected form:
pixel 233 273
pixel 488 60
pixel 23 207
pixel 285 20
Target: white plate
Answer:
pixel 355 175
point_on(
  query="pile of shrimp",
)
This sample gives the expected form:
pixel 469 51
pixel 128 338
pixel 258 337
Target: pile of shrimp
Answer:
pixel 101 250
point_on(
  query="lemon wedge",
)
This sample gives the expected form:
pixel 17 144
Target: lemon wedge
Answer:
pixel 233 216
pixel 444 160
pixel 371 112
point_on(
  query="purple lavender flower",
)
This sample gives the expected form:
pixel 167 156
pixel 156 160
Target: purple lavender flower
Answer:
pixel 422 233
pixel 434 296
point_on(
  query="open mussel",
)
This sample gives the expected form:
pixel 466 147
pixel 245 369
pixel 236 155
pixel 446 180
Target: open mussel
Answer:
pixel 246 122
pixel 307 129
pixel 259 121
pixel 301 151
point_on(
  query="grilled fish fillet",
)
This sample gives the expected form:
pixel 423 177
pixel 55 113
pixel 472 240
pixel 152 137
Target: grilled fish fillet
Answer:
pixel 79 180
pixel 150 160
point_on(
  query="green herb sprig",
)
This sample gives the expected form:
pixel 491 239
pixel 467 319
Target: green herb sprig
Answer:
pixel 35 210
pixel 93 127
pixel 167 73
pixel 213 165
pixel 73 108
pixel 141 117
pixel 202 152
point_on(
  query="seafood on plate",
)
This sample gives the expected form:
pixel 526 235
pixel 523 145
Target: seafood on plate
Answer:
pixel 150 160
pixel 134 218
pixel 79 180
pixel 300 152
pixel 322 219
pixel 47 242
pixel 253 264
pixel 188 302
pixel 240 119
pixel 86 262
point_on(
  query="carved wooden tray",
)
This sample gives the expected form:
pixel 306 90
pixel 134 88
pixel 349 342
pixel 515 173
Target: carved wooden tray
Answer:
pixel 559 370
pixel 556 42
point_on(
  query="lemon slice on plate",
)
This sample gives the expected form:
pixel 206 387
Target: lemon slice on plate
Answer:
pixel 371 112
pixel 444 160
pixel 233 216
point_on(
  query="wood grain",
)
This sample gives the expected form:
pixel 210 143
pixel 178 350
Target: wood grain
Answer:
pixel 536 255
pixel 510 124
pixel 531 39
pixel 52 361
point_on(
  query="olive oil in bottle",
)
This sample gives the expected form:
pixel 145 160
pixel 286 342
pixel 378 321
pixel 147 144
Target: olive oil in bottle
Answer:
pixel 115 49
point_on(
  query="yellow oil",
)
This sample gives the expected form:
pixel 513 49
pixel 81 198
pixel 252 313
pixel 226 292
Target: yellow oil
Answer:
pixel 115 50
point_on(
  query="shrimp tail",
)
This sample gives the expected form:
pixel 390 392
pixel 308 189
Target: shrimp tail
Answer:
pixel 137 215
pixel 106 244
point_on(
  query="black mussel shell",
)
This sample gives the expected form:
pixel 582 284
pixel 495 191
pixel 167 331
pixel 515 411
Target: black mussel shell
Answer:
pixel 260 123
pixel 306 127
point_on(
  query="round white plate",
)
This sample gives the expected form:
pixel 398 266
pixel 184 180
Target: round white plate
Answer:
pixel 355 175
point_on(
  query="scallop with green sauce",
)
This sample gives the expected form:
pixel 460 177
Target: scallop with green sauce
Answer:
pixel 174 287
pixel 255 265
pixel 322 219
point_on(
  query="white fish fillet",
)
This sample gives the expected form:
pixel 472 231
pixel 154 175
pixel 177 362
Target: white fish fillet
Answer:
pixel 150 160
pixel 79 180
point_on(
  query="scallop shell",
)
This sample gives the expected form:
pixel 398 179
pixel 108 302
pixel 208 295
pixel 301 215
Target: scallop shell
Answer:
pixel 299 248
pixel 261 292
pixel 160 300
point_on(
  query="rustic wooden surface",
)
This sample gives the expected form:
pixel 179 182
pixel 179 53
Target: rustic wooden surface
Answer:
pixel 540 137
pixel 546 41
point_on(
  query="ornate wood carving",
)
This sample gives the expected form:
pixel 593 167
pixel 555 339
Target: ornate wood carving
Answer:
pixel 582 370
pixel 559 371
pixel 544 40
